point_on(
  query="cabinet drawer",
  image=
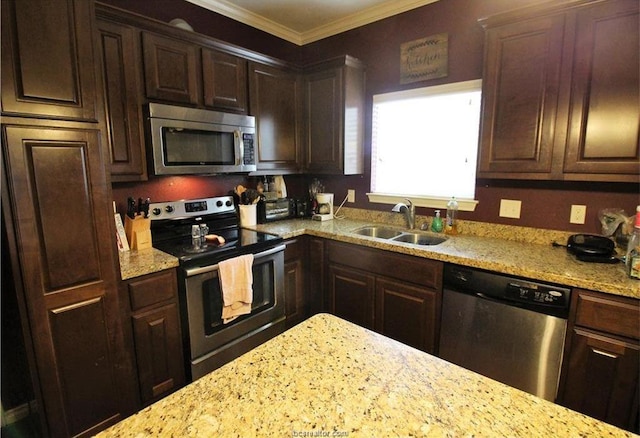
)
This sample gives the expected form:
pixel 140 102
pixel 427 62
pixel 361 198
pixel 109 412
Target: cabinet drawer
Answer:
pixel 152 289
pixel 615 315
pixel 416 270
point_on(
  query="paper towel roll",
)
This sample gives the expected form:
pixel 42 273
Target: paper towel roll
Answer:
pixel 280 186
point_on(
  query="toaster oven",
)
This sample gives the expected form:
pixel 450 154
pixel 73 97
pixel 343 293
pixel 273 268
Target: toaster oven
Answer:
pixel 275 209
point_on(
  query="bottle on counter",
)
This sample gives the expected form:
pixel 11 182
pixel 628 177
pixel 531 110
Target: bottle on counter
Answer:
pixel 632 258
pixel 436 224
pixel 450 226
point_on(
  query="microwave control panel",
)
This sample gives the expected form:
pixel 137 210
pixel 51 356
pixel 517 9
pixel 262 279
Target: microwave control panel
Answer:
pixel 249 149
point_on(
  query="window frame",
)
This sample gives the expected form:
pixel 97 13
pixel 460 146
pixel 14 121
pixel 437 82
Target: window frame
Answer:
pixel 464 204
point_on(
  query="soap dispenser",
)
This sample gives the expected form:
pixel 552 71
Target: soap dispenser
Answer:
pixel 436 224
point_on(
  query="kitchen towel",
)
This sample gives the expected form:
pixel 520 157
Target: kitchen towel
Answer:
pixel 236 282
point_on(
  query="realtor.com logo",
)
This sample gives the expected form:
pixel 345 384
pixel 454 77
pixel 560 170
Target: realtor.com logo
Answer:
pixel 318 433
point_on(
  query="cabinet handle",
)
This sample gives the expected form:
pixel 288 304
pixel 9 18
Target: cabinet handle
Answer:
pixel 604 353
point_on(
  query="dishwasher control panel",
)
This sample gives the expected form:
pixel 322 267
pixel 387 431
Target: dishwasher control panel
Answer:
pixel 533 295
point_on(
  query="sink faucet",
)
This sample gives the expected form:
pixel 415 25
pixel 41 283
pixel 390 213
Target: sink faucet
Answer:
pixel 409 213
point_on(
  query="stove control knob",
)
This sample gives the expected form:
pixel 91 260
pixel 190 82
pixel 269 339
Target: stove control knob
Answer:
pixel 228 203
pixel 219 204
pixel 156 211
pixel 169 209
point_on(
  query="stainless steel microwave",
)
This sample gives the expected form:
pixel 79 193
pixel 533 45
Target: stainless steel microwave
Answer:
pixel 190 141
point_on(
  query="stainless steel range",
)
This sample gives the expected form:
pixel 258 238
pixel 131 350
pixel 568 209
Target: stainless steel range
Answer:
pixel 179 228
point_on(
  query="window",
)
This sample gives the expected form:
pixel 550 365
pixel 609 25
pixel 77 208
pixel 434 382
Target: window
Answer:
pixel 425 145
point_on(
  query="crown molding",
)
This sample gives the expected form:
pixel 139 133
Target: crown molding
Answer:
pixel 344 24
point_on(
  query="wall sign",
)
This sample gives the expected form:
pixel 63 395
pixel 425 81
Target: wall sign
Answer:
pixel 426 58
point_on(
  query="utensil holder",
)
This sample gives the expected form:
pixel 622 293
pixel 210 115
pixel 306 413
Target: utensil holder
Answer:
pixel 138 231
pixel 248 215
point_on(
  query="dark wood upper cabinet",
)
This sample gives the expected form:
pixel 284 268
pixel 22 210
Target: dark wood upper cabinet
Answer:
pixel 171 69
pixel 48 70
pixel 224 78
pixel 274 99
pixel 560 93
pixel 121 65
pixel 604 112
pixel 334 117
pixel 522 65
pixel 67 258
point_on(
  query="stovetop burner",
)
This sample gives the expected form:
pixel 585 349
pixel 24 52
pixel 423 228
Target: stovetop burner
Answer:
pixel 171 230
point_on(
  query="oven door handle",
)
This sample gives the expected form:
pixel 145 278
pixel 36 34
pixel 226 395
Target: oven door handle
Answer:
pixel 205 269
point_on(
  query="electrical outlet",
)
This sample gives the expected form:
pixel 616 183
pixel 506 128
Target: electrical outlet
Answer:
pixel 510 208
pixel 578 214
pixel 351 195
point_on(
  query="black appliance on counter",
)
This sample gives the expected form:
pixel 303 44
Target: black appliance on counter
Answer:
pixel 208 342
pixel 275 210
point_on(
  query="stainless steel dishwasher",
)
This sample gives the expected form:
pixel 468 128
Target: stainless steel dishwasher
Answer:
pixel 509 329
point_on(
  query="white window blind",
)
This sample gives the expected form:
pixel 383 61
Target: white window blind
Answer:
pixel 425 141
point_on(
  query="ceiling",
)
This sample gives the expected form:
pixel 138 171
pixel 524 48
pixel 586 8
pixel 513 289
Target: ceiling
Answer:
pixel 305 21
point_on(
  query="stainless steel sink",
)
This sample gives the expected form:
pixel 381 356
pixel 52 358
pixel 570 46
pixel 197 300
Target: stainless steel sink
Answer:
pixel 392 234
pixel 379 232
pixel 419 239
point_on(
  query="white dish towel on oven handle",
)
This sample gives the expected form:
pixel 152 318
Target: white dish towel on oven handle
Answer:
pixel 236 282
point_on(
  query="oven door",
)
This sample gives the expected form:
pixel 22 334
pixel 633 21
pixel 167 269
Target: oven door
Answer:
pixel 208 335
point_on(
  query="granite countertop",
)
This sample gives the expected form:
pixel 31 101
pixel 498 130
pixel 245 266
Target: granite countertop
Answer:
pixel 506 249
pixel 136 263
pixel 328 377
pixel 529 255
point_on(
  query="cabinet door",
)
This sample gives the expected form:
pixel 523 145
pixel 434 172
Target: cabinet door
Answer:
pixel 604 122
pixel 274 97
pixel 47 59
pixel 224 78
pixel 121 71
pixel 520 92
pixel 170 69
pixel 351 295
pixel 602 378
pixel 406 313
pixel 333 114
pixel 315 276
pixel 296 303
pixel 159 354
pixel 324 113
pixel 64 222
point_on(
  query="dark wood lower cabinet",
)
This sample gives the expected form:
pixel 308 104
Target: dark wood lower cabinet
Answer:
pixel 406 313
pixel 352 295
pixel 294 287
pixel 601 368
pixel 394 294
pixel 303 278
pixel 154 319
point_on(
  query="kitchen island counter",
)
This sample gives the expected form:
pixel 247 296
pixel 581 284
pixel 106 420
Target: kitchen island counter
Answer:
pixel 328 377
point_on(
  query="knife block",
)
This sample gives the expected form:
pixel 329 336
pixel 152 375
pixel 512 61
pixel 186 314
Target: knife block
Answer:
pixel 138 231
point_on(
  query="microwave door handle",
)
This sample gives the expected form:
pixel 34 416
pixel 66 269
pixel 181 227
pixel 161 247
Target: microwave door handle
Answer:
pixel 239 144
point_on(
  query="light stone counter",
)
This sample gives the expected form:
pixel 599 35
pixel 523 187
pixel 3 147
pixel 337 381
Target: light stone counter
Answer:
pixel 328 377
pixel 519 251
pixel 510 250
pixel 145 261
